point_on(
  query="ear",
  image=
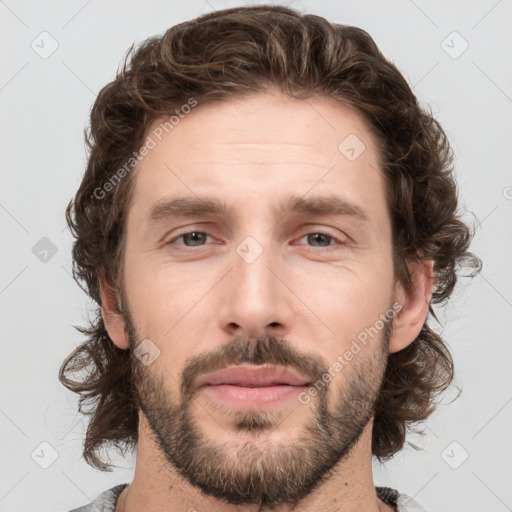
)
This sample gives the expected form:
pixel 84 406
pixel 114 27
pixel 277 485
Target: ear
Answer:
pixel 415 302
pixel 112 317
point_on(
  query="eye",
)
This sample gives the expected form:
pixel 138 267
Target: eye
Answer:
pixel 199 238
pixel 196 238
pixel 319 239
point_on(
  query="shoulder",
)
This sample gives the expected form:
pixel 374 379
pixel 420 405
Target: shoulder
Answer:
pixel 104 502
pixel 400 501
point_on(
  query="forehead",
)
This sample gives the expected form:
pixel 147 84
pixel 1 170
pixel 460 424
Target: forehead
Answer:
pixel 259 150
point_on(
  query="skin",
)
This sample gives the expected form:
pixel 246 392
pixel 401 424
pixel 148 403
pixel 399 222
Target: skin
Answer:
pixel 252 153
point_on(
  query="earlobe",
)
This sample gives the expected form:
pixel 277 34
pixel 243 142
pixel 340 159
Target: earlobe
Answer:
pixel 415 303
pixel 112 318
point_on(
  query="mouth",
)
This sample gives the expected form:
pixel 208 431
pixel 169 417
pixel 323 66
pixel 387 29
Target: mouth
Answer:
pixel 249 386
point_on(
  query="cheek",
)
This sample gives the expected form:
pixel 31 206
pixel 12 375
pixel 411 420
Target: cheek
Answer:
pixel 159 294
pixel 349 306
pixel 173 308
pixel 348 296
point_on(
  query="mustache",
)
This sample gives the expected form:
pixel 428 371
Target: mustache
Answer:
pixel 267 349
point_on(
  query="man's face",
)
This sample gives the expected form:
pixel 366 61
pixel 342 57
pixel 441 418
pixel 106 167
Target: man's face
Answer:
pixel 263 287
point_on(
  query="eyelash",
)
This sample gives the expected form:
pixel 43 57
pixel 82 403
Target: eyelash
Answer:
pixel 324 249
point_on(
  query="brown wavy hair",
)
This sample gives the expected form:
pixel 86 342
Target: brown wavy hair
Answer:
pixel 244 51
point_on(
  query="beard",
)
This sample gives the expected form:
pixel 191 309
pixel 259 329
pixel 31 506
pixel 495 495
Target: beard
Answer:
pixel 260 472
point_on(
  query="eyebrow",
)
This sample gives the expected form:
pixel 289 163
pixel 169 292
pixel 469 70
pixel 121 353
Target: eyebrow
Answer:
pixel 324 205
pixel 186 207
pixel 195 206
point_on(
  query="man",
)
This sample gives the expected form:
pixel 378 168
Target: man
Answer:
pixel 266 219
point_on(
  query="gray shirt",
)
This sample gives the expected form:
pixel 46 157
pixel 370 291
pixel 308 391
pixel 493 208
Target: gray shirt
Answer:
pixel 106 501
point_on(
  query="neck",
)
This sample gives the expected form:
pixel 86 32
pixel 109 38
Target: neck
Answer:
pixel 158 487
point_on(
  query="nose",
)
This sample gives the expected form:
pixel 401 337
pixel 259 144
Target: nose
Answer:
pixel 253 299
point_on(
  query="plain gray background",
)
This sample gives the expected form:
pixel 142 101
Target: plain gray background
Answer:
pixel 464 465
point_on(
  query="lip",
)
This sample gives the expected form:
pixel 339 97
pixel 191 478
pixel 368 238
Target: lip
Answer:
pixel 243 397
pixel 251 376
pixel 252 387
